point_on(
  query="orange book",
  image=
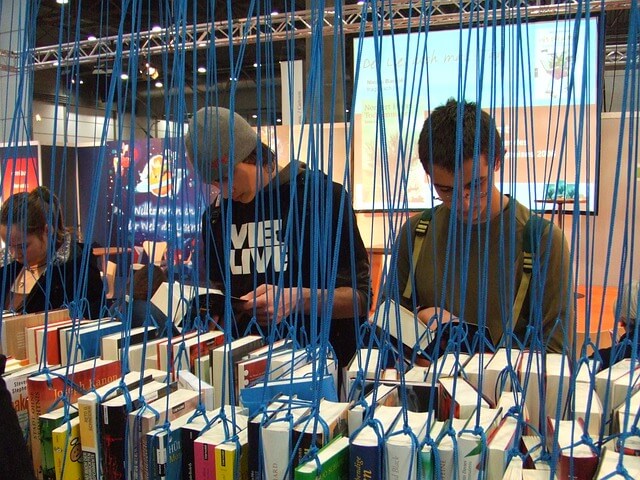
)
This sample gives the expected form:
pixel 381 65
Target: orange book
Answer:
pixel 45 389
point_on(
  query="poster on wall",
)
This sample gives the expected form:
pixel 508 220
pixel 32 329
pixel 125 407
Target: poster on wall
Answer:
pixel 144 192
pixel 21 168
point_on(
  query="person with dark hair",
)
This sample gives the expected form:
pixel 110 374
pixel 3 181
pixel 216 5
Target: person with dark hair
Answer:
pixel 42 267
pixel 15 461
pixel 465 258
pixel 269 252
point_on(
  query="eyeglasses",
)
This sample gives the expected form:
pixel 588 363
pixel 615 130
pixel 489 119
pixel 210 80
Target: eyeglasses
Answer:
pixel 479 188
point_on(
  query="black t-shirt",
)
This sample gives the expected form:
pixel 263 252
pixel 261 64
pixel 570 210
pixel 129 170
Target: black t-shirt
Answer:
pixel 289 236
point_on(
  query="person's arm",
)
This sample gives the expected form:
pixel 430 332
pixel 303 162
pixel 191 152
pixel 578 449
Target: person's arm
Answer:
pixel 558 321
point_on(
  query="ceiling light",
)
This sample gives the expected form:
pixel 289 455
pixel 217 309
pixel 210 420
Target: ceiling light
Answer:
pixel 360 2
pixel 255 65
pixel 124 76
pixel 279 120
pixel 150 71
pixel 233 79
pixel 38 117
pixel 159 84
pixel 62 2
pixel 81 82
pixel 202 69
pixel 92 38
pixel 156 28
pixel 254 116
pixel 274 13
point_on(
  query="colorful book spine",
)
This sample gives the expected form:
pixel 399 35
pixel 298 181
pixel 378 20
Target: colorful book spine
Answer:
pixel 67 451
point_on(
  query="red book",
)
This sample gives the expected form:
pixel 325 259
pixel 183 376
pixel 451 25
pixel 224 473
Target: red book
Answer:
pixel 45 389
pixel 577 460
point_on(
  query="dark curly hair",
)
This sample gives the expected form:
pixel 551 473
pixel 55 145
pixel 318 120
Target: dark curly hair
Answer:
pixel 438 138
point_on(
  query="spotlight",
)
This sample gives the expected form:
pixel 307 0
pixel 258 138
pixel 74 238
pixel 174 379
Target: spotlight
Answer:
pixel 62 2
pixel 159 85
pixel 202 69
pixel 124 76
pixel 92 38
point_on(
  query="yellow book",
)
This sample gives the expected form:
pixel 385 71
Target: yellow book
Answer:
pixel 67 451
pixel 226 458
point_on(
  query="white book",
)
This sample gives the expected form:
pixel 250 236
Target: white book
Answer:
pixel 174 300
pixel 531 378
pixel 557 380
pixel 514 469
pixel 223 367
pixel 365 361
pixel 609 461
pixel 427 457
pixel 586 405
pixel 275 438
pixel 458 397
pixel 606 377
pixel 384 394
pixel 150 360
pixel 189 381
pixel 401 449
pixel 113 344
pixel 401 323
pixel 446 451
pixel 471 449
pixel 499 444
pixel 495 380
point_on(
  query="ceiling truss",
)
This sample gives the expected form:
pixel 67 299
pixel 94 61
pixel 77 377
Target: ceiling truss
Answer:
pixel 397 15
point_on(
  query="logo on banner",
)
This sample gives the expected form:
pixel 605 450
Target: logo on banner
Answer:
pixel 257 246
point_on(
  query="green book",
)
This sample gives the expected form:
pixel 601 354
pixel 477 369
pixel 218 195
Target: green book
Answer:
pixel 331 462
pixel 48 423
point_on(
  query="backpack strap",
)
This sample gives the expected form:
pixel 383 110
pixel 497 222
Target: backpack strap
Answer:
pixel 531 236
pixel 421 232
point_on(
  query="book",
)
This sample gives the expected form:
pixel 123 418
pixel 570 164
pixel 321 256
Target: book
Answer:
pixel 44 390
pixel 202 368
pixel 14 342
pixel 458 398
pixel 149 349
pixel 585 404
pixel 503 439
pixel 607 376
pixel 366 452
pixel 275 437
pixel 384 394
pixel 83 343
pixel 183 352
pixel 577 460
pixel 402 324
pixel 48 423
pixel 173 299
pixel 189 381
pixel 426 455
pixel 36 337
pixel 204 446
pixel 401 448
pixel 17 387
pixel 530 374
pixel 112 345
pixel 310 430
pixel 446 448
pixel 471 446
pixel 231 458
pixel 224 368
pixel 494 370
pixel 364 366
pixel 190 431
pixel 90 419
pixel 115 412
pixel 164 447
pixel 254 369
pixel 557 377
pixel 610 461
pixel 514 469
pixel 255 424
pixel 67 451
pixel 146 418
pixel 330 463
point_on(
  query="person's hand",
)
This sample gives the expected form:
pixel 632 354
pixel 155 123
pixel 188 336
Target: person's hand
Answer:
pixel 263 300
pixel 430 316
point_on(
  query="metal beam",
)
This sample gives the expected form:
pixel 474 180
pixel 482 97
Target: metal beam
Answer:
pixel 397 15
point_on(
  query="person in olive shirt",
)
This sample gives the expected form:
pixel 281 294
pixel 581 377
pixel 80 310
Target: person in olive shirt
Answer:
pixel 470 261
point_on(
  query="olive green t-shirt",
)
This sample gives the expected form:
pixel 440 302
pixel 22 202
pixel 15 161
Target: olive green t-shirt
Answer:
pixel 474 271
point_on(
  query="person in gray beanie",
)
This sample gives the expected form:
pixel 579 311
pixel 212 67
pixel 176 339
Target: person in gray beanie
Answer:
pixel 281 246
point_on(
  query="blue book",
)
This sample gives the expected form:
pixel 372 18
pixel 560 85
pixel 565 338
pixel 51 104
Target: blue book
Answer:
pixel 85 342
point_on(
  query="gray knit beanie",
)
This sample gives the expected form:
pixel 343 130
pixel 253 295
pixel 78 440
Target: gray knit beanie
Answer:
pixel 209 140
